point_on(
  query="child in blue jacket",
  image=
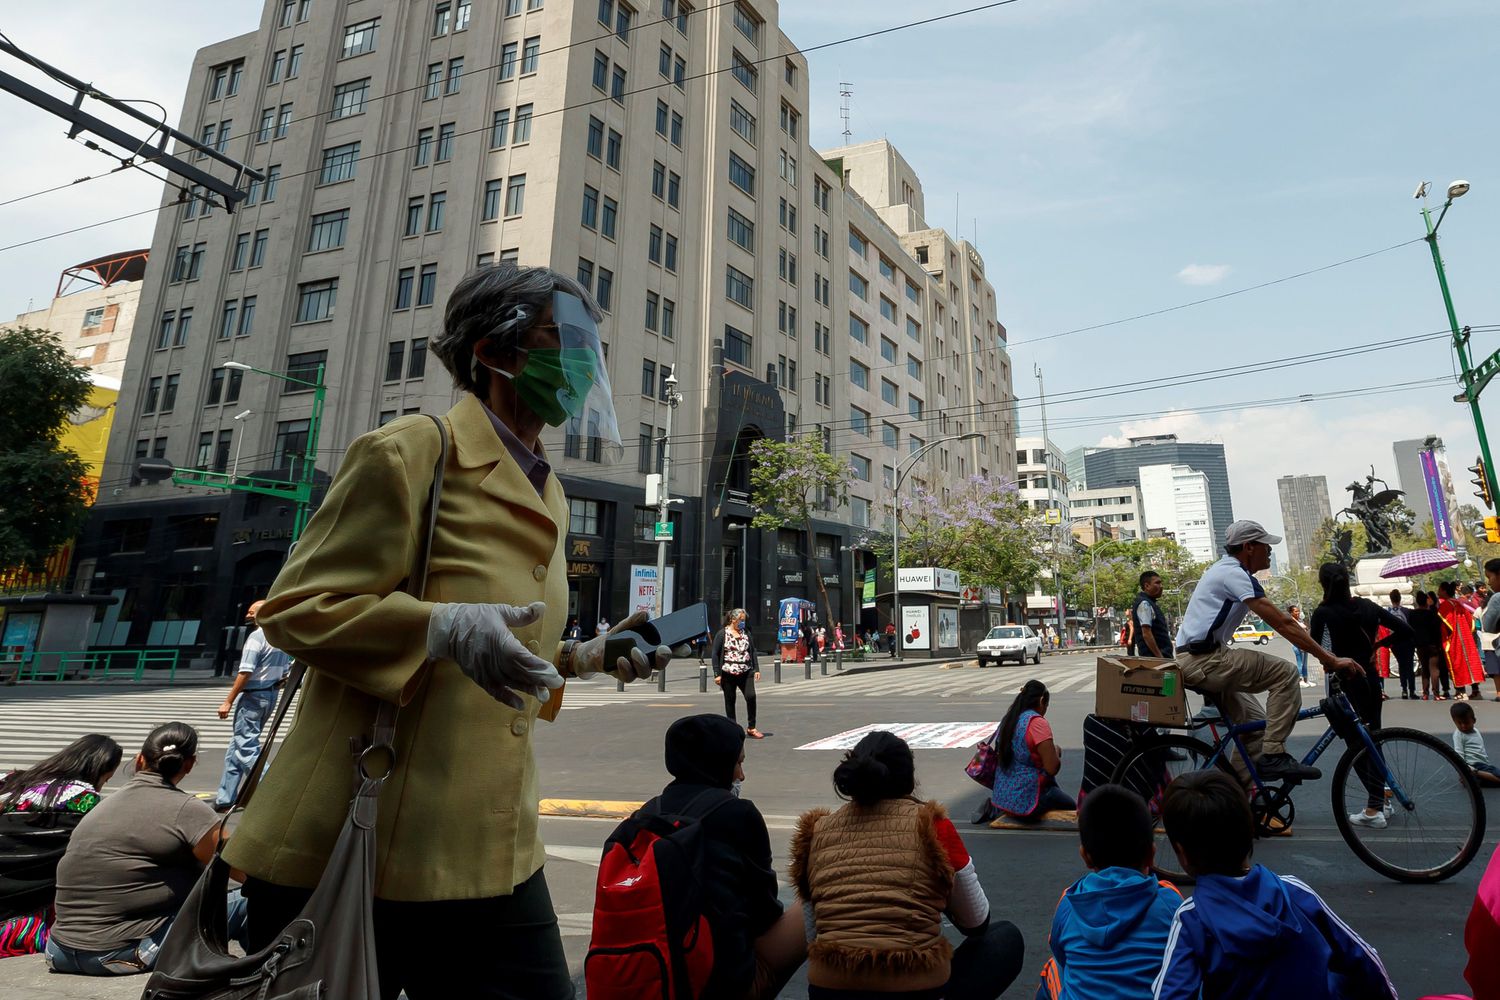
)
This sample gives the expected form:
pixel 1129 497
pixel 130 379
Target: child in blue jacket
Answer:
pixel 1248 932
pixel 1111 926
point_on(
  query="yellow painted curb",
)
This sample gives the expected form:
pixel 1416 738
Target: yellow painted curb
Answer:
pixel 588 807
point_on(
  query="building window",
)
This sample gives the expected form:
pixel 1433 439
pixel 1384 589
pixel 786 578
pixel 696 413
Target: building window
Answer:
pixel 414 208
pixel 338 165
pixel 679 72
pixel 508 56
pixel 455 76
pixel 859 421
pixel 304 367
pixel 674 190
pixel 515 195
pixel 315 300
pixel 153 395
pixel 740 287
pixel 427 285
pixel 617 85
pixel 653 245
pixel 164 330
pixel 523 125
pixel 890 393
pixel 241 254
pixel 653 311
pixel 405 279
pixel 887 309
pixel 395 357
pixel 913 329
pixel 859 375
pixel 741 174
pixel 858 329
pixel 913 292
pixel 623 16
pixel 441 15
pixel 744 71
pixel 601 70
pixel 890 435
pixel 500 129
pixel 360 38
pixel 531 52
pixel 583 516
pixel 742 121
pixel 294 62
pixel 169 393
pixel 859 245
pixel 888 350
pixel 291 445
pixel 741 231
pixel 613 150
pixel 861 467
pixel 445 142
pixel 348 100
pixel 492 191
pixel 643 464
pixel 737 346
pixel 887 269
pixel 663 113
pixel 859 286
pixel 435 206
pixel 229 319
pixel 668 319
pixel 596 138
pixel 608 217
pixel 790 120
pixel 604 290
pixel 423 153
pixel 327 230
pixel 677 130
pixel 648 378
pixel 434 82
pixel 283 121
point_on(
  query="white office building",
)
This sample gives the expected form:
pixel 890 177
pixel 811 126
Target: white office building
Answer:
pixel 1176 501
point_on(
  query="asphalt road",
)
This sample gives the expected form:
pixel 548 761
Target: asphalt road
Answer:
pixel 611 749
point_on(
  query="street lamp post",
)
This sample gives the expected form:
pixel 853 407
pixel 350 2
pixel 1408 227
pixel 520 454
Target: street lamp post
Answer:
pixel 901 471
pixel 1474 379
pixel 664 501
pixel 239 443
pixel 298 490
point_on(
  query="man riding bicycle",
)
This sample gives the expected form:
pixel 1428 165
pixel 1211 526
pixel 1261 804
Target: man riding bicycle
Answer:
pixel 1230 674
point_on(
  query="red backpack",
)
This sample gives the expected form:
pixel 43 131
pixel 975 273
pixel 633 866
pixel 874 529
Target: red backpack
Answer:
pixel 651 937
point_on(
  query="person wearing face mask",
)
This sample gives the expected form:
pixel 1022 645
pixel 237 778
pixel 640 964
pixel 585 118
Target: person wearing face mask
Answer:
pixel 736 669
pixel 473 662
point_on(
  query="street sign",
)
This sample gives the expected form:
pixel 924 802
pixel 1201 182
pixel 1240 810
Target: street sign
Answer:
pixel 663 531
pixel 1053 516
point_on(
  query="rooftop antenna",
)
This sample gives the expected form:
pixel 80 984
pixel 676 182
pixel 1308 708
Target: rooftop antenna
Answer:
pixel 846 91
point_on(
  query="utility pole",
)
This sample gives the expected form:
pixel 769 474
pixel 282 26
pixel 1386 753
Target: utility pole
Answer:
pixel 1041 389
pixel 664 501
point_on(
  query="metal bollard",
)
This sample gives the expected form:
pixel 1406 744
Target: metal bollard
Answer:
pixel 777 676
pixel 838 663
pixel 661 679
pixel 823 665
pixel 619 683
pixel 702 678
pixel 806 669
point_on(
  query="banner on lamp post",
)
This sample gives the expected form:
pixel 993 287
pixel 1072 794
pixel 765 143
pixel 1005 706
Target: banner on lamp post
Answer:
pixel 1437 499
pixel 643 590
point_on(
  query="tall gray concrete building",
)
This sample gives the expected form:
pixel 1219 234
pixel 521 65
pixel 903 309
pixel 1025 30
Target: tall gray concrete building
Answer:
pixel 1409 478
pixel 1106 467
pixel 660 153
pixel 1304 508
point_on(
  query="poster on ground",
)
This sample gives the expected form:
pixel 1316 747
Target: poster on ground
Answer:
pixel 947 628
pixel 918 735
pixel 914 627
pixel 643 590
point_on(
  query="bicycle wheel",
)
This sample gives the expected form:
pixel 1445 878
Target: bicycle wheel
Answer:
pixel 1147 770
pixel 1441 832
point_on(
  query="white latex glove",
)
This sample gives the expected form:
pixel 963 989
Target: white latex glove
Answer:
pixel 621 657
pixel 479 639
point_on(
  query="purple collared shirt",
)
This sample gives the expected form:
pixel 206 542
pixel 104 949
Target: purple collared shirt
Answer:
pixel 533 466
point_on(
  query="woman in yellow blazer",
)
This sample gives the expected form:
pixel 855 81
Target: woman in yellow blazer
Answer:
pixel 462 907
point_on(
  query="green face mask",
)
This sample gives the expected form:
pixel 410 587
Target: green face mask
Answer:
pixel 555 382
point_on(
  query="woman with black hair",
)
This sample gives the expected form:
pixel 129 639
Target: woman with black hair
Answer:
pixel 52 795
pixel 1346 625
pixel 736 668
pixel 131 863
pixel 876 878
pixel 1025 783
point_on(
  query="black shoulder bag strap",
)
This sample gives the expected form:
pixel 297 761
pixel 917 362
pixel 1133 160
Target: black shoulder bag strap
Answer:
pixel 386 712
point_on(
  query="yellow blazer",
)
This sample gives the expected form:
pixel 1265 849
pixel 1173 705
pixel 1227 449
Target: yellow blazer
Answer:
pixel 458 817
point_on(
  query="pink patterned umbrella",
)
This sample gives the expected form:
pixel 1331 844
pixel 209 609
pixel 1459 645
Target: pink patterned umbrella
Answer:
pixel 1417 562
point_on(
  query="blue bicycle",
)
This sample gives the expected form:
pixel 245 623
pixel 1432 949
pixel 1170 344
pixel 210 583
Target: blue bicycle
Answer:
pixel 1430 818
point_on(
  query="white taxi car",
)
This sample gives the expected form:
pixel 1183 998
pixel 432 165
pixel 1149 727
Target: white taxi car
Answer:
pixel 1010 642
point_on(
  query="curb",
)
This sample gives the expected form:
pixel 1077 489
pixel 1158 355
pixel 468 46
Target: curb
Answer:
pixel 587 808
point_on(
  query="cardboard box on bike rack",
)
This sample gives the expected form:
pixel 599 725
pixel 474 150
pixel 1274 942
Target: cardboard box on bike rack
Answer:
pixel 1141 689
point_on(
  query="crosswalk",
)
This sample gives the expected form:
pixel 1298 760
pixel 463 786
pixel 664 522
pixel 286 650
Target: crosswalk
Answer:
pixel 36 723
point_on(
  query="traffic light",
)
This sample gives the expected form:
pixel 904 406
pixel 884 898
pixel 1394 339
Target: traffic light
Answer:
pixel 1492 529
pixel 1483 483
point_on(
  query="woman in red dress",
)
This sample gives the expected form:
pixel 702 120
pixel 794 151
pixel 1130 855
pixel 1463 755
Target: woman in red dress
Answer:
pixel 1458 641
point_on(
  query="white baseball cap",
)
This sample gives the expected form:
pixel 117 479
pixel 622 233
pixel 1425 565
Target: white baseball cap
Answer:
pixel 1241 532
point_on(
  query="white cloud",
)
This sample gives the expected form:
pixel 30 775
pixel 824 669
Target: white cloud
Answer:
pixel 1203 274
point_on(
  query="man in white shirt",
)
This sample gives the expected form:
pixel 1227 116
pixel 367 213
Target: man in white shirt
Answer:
pixel 262 669
pixel 1227 591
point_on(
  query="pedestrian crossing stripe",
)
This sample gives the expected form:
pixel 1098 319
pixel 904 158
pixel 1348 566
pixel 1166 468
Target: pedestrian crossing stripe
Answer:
pixel 918 735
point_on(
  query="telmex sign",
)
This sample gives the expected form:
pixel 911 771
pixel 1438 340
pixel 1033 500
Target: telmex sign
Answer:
pixel 929 578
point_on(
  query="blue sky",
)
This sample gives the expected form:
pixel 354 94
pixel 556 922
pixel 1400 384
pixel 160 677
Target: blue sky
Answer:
pixel 1114 158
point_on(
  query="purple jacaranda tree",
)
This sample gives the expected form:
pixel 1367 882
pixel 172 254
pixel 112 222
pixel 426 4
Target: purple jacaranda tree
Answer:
pixel 791 483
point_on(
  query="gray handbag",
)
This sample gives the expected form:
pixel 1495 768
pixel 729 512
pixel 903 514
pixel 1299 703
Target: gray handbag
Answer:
pixel 328 951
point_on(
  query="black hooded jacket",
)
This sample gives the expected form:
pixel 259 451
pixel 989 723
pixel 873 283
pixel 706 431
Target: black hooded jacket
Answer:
pixel 702 751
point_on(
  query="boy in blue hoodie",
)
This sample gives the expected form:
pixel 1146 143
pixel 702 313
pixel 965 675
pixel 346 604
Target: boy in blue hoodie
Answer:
pixel 1248 932
pixel 1111 926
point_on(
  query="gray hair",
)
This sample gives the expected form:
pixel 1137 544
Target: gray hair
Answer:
pixel 485 305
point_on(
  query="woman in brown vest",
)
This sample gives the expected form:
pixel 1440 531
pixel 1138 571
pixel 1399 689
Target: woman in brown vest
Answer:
pixel 875 879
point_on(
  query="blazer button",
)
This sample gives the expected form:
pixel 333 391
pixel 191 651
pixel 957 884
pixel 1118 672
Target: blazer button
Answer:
pixel 540 573
pixel 519 726
pixel 534 646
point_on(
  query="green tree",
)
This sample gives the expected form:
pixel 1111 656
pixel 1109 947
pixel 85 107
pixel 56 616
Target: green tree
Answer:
pixel 793 481
pixel 982 529
pixel 1116 566
pixel 46 497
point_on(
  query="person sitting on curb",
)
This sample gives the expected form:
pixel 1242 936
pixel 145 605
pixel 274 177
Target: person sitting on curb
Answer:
pixel 876 878
pixel 131 863
pixel 1025 784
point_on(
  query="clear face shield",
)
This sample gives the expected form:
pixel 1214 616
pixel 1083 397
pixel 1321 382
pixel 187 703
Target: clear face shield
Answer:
pixel 564 379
